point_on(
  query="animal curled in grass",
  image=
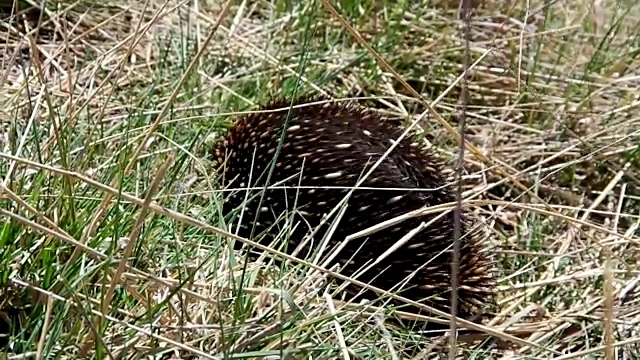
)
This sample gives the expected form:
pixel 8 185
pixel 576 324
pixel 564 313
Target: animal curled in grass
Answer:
pixel 316 151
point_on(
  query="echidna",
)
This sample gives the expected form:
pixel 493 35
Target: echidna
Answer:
pixel 327 147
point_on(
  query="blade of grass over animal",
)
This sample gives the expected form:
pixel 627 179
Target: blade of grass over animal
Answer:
pixel 338 329
pixel 307 33
pixel 455 263
pixel 393 247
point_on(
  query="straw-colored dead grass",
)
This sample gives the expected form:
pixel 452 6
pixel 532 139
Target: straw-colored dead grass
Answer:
pixel 553 105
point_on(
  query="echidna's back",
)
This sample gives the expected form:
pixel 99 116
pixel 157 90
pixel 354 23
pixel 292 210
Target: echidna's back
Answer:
pixel 332 145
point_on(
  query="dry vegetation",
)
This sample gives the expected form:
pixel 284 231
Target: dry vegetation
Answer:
pixel 105 107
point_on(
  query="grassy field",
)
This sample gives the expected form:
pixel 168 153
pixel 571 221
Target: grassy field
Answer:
pixel 110 241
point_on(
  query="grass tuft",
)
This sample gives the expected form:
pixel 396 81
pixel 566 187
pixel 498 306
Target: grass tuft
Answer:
pixel 101 113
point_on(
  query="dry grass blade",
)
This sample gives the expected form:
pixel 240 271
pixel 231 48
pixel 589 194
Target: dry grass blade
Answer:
pixel 100 256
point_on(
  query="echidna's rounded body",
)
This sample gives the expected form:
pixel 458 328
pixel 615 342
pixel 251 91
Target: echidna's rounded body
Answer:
pixel 332 145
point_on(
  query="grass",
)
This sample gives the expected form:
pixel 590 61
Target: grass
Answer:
pixel 102 118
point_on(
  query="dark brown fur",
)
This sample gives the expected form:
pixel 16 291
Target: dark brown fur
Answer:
pixel 343 141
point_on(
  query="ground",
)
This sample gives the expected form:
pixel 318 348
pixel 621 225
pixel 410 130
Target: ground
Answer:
pixel 111 244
